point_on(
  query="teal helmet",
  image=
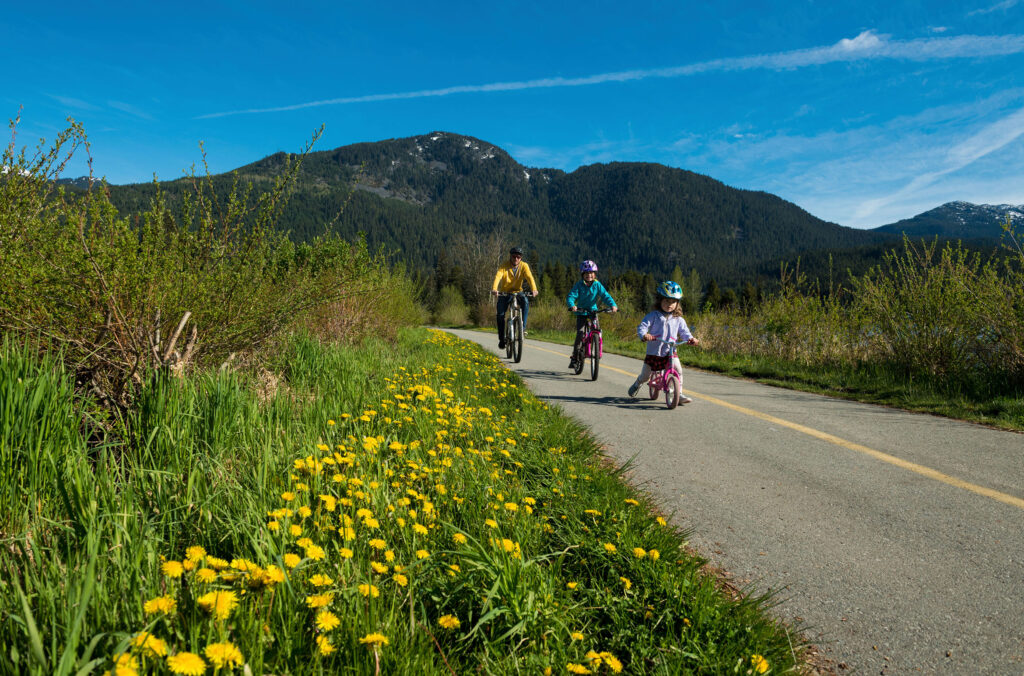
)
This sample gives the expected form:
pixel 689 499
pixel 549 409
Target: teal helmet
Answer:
pixel 670 289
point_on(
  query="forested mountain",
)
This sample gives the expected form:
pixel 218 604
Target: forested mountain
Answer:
pixel 417 196
pixel 959 220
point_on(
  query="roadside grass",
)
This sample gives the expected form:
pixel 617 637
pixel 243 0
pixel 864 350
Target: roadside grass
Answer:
pixel 396 508
pixel 874 383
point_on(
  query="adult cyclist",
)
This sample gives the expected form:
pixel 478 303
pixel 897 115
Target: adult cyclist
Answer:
pixel 510 279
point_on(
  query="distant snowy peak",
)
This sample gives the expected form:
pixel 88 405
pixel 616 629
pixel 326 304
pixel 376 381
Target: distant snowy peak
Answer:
pixel 962 220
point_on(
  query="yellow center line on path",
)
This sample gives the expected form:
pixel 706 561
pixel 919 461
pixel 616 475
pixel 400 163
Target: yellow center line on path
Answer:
pixel 838 441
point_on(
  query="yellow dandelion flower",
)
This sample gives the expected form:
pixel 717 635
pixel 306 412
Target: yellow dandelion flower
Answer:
pixel 320 580
pixel 449 622
pixel 160 604
pixel 631 501
pixel 288 496
pixel 400 579
pixel 492 523
pixel 378 568
pixel 345 553
pixel 326 620
pixel 613 662
pixel 315 553
pixel 592 512
pixel 626 582
pixel 149 644
pixel 195 553
pixel 319 600
pixel 324 645
pixel 224 655
pixel 292 560
pixel 511 506
pixel 609 547
pixel 374 640
pixel 639 552
pixel 274 526
pixel 172 568
pixel 274 574
pixel 219 603
pixel 576 635
pixel 389 556
pixel 572 585
pixel 422 553
pixel 419 529
pixel 574 668
pixel 760 663
pixel 459 539
pixel 377 543
pixel 371 523
pixel 125 665
pixel 654 555
pixel 189 664
pixel 305 511
pixel 295 530
pixel 369 590
pixel 661 521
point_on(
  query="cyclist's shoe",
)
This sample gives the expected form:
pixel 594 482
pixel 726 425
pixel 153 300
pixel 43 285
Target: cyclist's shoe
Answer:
pixel 683 399
pixel 501 344
pixel 573 363
pixel 633 389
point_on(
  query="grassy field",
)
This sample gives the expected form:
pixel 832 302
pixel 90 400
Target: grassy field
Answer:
pixel 389 508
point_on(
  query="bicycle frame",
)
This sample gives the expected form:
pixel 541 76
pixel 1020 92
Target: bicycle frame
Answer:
pixel 591 343
pixel 668 380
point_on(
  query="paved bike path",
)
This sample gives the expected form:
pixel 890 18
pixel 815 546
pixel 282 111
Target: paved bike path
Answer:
pixel 896 539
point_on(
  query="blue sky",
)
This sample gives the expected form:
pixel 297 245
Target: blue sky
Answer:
pixel 860 112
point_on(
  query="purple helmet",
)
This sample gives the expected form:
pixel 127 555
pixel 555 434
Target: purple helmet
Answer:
pixel 588 266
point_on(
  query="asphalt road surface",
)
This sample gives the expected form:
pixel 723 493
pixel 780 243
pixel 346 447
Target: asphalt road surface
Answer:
pixel 895 540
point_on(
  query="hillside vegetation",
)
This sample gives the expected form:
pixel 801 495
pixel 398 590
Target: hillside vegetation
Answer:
pixel 423 194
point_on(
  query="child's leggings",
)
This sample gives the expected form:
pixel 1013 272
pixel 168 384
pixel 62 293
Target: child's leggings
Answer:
pixel 645 372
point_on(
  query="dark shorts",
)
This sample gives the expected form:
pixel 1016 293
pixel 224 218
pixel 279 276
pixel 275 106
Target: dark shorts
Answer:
pixel 658 363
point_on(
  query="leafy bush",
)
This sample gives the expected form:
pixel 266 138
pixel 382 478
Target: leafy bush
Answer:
pixel 169 288
pixel 450 309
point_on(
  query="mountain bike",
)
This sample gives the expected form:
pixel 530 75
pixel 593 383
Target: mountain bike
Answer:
pixel 514 327
pixel 592 344
pixel 664 376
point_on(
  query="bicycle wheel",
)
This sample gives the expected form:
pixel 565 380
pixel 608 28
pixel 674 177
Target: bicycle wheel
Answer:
pixel 509 336
pixel 517 344
pixel 653 384
pixel 595 360
pixel 672 392
pixel 580 356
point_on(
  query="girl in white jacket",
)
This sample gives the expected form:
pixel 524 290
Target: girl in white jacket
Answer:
pixel 663 323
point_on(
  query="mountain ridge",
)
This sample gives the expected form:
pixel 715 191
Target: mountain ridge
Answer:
pixel 420 195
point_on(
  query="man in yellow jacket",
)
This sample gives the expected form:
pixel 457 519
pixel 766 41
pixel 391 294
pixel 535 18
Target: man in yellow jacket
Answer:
pixel 509 279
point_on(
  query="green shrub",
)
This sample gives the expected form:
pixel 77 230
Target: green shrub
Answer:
pixel 450 309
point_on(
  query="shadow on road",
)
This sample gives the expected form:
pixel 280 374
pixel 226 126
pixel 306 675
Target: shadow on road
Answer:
pixel 616 402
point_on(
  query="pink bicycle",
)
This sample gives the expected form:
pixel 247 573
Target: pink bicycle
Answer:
pixel 664 376
pixel 592 344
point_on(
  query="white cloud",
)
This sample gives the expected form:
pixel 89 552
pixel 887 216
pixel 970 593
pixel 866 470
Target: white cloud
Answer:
pixel 72 102
pixel 989 139
pixel 1004 5
pixel 866 45
pixel 877 172
pixel 130 109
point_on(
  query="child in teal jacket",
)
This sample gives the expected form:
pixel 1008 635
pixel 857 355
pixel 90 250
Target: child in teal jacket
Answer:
pixel 583 299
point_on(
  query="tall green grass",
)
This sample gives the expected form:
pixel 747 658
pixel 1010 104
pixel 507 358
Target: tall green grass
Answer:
pixel 520 550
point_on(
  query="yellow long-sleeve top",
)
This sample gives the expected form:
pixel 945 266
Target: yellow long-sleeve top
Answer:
pixel 510 280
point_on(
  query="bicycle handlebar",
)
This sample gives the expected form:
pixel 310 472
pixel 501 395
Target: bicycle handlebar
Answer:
pixel 590 312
